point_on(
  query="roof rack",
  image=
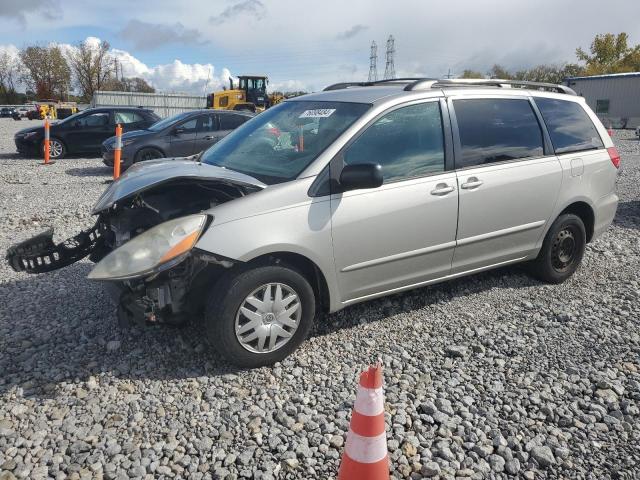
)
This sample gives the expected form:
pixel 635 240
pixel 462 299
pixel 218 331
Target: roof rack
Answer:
pixel 340 86
pixel 488 82
pixel 413 84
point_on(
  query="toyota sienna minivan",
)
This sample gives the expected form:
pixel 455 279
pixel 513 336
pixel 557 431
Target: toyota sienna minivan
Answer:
pixel 345 195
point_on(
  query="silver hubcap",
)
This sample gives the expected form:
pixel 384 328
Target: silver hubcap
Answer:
pixel 268 318
pixel 55 149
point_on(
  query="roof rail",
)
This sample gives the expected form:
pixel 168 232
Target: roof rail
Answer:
pixel 413 84
pixel 340 86
pixel 489 82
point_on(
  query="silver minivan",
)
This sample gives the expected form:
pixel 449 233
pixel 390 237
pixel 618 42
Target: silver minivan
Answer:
pixel 345 195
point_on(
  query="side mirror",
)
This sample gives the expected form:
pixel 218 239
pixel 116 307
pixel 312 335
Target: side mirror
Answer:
pixel 362 175
pixel 178 131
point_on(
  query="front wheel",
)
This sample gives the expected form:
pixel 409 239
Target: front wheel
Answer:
pixel 259 316
pixel 57 150
pixel 562 250
pixel 148 154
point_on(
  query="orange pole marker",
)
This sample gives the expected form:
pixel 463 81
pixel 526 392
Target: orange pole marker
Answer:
pixel 365 453
pixel 47 142
pixel 117 152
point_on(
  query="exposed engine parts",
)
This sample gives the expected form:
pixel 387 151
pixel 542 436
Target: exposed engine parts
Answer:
pixel 160 297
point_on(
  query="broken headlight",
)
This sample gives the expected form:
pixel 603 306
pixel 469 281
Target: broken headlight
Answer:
pixel 160 247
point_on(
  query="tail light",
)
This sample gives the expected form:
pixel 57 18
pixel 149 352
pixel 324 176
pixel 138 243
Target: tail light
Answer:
pixel 614 156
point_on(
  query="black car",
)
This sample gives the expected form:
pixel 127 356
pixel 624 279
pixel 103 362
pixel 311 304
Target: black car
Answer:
pixel 84 131
pixel 178 136
pixel 6 112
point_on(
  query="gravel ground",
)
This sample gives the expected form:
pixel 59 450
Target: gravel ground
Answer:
pixel 492 376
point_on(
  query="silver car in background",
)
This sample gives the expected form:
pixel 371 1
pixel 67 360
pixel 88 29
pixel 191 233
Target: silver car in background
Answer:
pixel 338 197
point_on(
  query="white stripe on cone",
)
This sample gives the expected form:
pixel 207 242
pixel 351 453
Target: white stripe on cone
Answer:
pixel 366 449
pixel 369 401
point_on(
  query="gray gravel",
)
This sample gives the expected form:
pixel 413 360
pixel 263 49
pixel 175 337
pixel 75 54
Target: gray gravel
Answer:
pixel 491 376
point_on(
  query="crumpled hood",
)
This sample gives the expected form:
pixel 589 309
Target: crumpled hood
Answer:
pixel 145 175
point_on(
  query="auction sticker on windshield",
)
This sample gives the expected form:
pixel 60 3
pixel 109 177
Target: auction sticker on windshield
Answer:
pixel 317 113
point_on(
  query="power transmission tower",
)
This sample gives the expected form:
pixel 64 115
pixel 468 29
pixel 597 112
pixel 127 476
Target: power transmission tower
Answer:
pixel 390 69
pixel 373 63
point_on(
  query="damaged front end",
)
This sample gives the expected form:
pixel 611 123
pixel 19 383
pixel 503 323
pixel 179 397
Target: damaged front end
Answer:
pixel 39 254
pixel 148 223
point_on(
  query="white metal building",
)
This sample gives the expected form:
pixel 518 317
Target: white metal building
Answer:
pixel 163 104
pixel 615 98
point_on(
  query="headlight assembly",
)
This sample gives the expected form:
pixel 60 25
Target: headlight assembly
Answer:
pixel 156 249
pixel 127 142
pixel 29 135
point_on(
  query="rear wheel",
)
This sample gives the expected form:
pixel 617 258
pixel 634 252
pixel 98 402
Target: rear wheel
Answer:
pixel 562 250
pixel 148 154
pixel 259 316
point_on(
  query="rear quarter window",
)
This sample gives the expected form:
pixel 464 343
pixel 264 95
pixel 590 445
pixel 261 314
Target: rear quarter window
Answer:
pixel 570 128
pixel 230 121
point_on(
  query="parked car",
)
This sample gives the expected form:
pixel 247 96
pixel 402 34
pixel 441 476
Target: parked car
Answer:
pixel 84 131
pixel 181 135
pixel 346 195
pixel 6 112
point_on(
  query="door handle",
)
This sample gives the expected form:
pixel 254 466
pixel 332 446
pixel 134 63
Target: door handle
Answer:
pixel 471 183
pixel 442 189
pixel 209 137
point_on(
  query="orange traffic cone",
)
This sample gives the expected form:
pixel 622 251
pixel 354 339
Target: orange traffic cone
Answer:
pixel 365 453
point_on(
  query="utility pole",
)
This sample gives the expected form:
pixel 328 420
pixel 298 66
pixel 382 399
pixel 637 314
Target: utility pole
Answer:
pixel 389 69
pixel 373 63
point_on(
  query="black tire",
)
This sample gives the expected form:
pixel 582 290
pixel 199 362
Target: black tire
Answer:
pixel 230 294
pixel 562 250
pixel 57 148
pixel 148 153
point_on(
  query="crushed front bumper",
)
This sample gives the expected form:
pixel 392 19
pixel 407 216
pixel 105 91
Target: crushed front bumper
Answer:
pixel 39 254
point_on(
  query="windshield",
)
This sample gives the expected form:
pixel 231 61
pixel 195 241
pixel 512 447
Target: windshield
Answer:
pixel 73 117
pixel 167 122
pixel 277 145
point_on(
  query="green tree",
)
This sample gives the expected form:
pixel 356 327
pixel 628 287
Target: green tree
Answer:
pixel 92 67
pixel 9 74
pixel 498 71
pixel 46 71
pixel 471 74
pixel 130 84
pixel 610 53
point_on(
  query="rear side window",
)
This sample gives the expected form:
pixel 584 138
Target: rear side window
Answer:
pixel 496 130
pixel 230 121
pixel 128 117
pixel 406 142
pixel 207 123
pixel 570 128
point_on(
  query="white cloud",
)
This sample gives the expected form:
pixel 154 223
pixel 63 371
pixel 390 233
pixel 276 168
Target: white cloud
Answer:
pixel 174 77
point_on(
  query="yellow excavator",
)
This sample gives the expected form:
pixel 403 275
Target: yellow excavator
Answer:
pixel 250 94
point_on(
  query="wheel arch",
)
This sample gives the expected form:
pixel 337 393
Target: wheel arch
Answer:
pixel 153 147
pixel 304 266
pixel 585 212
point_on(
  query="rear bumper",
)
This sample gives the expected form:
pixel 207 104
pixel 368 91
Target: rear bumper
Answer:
pixel 604 212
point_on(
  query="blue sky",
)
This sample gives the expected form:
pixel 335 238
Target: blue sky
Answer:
pixel 191 45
